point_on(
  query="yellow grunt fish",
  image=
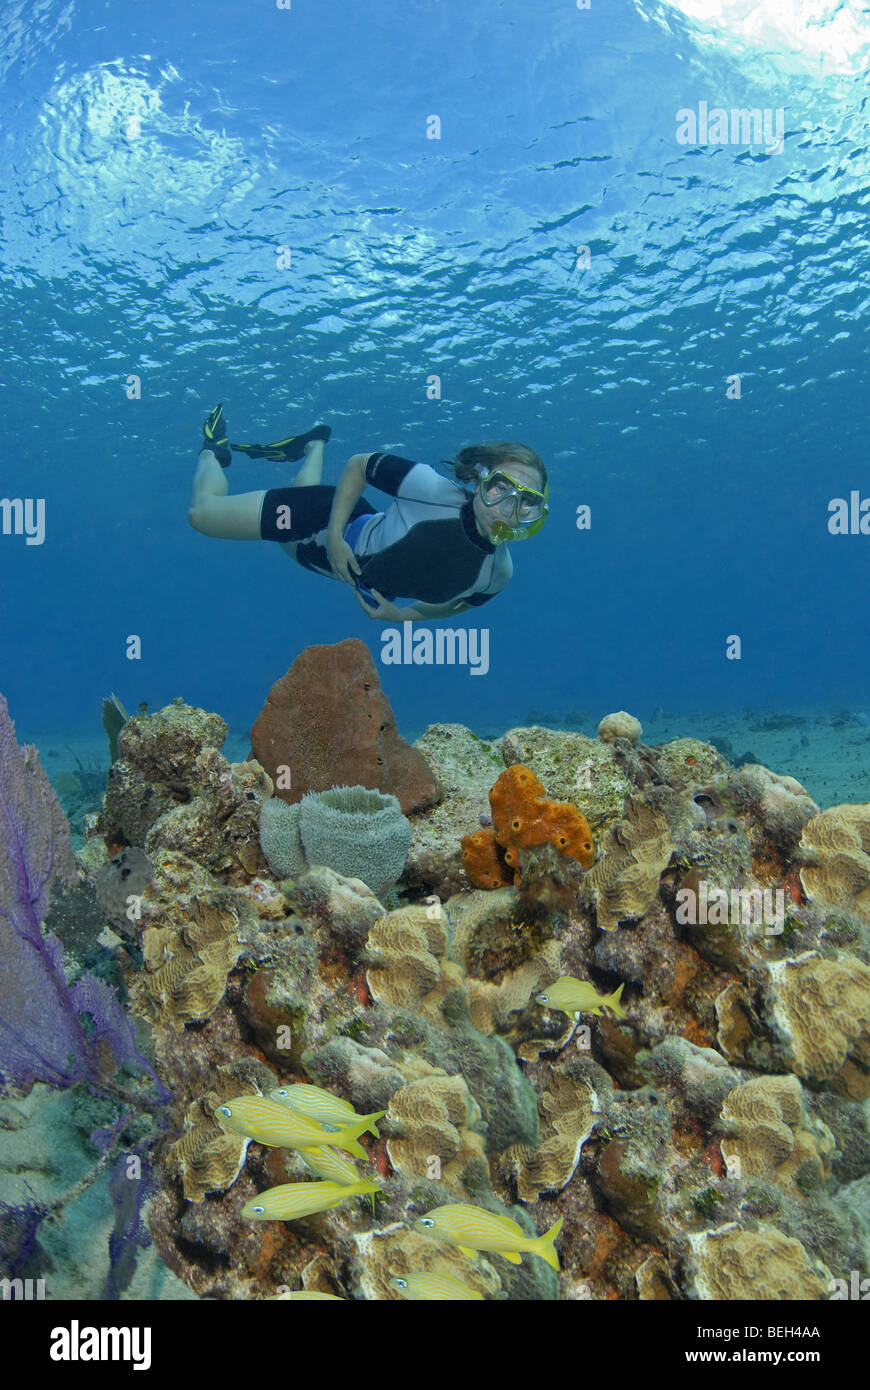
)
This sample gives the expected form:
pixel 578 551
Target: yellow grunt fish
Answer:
pixel 319 1104
pixel 276 1125
pixel 335 1167
pixel 578 997
pixel 295 1199
pixel 434 1286
pixel 473 1228
pixel 331 1165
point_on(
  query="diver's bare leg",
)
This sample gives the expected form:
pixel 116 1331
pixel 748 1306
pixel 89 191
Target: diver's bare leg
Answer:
pixel 311 472
pixel 214 513
pixel 309 475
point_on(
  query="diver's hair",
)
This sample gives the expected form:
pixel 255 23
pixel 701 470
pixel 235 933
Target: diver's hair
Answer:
pixel 491 457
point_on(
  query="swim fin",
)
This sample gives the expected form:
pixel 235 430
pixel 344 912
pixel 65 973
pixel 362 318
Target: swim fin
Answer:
pixel 214 436
pixel 285 450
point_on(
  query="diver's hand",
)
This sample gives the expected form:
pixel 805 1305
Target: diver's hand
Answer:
pixel 344 563
pixel 385 611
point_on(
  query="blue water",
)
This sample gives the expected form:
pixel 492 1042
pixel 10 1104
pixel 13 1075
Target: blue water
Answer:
pixel 157 156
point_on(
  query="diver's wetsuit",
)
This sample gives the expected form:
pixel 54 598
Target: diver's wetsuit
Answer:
pixel 425 546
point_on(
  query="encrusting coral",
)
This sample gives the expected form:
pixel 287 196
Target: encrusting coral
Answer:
pixel 761 1264
pixel 821 1008
pixel 634 855
pixel 835 846
pixel 186 966
pixel 768 1134
pixel 568 1107
pixel 431 1119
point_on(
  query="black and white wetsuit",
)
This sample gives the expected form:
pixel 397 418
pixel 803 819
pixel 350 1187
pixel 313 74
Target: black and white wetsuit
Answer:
pixel 425 546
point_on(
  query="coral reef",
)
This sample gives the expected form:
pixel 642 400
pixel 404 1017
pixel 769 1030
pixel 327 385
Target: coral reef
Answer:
pixel 710 1141
pixel 327 723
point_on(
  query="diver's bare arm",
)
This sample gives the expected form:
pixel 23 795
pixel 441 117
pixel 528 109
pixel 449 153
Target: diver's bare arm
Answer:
pixel 347 494
pixel 425 612
pixel 350 485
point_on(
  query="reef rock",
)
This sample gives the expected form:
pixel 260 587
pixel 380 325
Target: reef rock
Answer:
pixel 156 767
pixel 328 723
pixel 466 767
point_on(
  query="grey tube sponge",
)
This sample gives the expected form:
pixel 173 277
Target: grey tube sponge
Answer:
pixel 358 833
pixel 279 838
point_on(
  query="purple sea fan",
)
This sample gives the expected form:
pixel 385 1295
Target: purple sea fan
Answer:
pixel 41 1033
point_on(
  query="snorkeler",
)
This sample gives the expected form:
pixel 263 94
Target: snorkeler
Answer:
pixel 438 544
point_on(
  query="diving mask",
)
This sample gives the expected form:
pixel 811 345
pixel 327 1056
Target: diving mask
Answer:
pixel 524 506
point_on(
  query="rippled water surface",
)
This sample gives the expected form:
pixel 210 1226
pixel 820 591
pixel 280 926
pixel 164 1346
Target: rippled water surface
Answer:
pixel 576 277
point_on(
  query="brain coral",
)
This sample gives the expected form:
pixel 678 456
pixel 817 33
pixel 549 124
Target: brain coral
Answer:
pixel 836 847
pixel 822 1007
pixel 521 817
pixel 772 1134
pixel 620 725
pixel 761 1264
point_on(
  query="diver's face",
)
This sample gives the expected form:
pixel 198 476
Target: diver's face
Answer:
pixel 487 517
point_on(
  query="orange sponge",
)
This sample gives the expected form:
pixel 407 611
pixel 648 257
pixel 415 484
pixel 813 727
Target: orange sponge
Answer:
pixel 483 865
pixel 522 816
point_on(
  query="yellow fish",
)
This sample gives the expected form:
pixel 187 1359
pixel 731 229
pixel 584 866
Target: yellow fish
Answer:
pixel 434 1286
pixel 473 1228
pixel 276 1125
pixel 305 1293
pixel 331 1165
pixel 334 1167
pixel 295 1199
pixel 578 997
pixel 319 1104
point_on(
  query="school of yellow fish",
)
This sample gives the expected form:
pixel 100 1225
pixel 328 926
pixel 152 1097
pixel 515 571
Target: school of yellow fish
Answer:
pixel 318 1124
